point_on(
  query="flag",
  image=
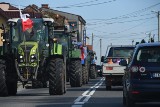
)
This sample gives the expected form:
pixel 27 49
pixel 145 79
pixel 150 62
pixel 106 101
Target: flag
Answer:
pixel 27 23
pixel 82 52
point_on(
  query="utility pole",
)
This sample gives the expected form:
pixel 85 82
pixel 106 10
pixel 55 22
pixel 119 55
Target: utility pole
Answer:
pixel 158 13
pixel 158 27
pixel 100 50
pixel 92 40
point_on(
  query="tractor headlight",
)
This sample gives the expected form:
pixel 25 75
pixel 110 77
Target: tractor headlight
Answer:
pixel 33 58
pixel 21 59
pixel 20 56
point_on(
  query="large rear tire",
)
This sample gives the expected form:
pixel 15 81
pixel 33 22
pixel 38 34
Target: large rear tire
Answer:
pixel 3 85
pixel 93 73
pixel 75 73
pixel 87 74
pixel 83 74
pixel 56 76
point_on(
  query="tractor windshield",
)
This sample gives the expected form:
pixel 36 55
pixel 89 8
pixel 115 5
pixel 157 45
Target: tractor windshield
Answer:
pixel 37 33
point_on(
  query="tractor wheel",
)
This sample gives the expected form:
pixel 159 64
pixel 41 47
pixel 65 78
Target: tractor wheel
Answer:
pixel 11 76
pixel 56 76
pixel 83 74
pixel 3 85
pixel 41 81
pixel 12 88
pixel 87 74
pixel 130 102
pixel 93 73
pixel 37 84
pixel 75 73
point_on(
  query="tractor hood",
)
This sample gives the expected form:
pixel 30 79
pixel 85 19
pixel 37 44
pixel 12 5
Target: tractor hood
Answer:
pixel 28 54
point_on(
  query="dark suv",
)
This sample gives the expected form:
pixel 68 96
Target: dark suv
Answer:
pixel 141 80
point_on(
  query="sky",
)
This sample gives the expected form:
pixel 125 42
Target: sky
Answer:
pixel 117 22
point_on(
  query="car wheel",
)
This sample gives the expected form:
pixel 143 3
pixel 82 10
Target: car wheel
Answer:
pixel 108 87
pixel 129 102
pixel 124 100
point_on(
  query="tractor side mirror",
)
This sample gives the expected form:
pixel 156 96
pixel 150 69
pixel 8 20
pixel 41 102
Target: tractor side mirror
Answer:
pixel 96 57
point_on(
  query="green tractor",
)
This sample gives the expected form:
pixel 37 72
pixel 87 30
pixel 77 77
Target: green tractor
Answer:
pixel 92 64
pixel 65 37
pixel 77 60
pixel 32 56
pixel 74 63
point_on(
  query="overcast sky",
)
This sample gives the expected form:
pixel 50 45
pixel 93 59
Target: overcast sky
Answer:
pixel 114 21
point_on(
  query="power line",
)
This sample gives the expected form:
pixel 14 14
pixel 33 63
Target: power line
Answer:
pixel 87 4
pixel 77 4
pixel 104 20
pixel 133 13
pixel 125 29
pixel 121 21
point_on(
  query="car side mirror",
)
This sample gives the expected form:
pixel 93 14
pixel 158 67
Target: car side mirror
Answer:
pixel 102 59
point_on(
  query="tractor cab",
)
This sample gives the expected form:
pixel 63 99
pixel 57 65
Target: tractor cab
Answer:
pixel 30 46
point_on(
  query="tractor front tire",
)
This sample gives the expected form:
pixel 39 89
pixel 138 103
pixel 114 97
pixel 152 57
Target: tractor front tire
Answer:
pixel 93 73
pixel 84 74
pixel 3 85
pixel 75 73
pixel 56 76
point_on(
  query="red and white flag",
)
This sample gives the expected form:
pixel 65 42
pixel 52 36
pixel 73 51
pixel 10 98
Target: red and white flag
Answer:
pixel 27 23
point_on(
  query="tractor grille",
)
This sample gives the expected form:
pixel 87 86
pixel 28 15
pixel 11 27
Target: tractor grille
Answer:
pixel 27 50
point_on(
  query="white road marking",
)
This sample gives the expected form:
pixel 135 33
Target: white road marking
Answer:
pixel 76 105
pixel 87 94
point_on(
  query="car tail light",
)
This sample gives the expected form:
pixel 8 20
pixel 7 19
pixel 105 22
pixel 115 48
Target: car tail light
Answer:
pixel 134 69
pixel 135 92
pixel 109 68
pixel 142 69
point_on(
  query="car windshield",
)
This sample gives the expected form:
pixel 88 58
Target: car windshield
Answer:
pixel 148 54
pixel 120 51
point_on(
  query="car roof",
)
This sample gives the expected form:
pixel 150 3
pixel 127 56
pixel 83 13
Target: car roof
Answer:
pixel 149 44
pixel 121 45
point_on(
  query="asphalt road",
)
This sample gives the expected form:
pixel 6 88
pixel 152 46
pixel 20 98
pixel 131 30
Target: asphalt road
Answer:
pixel 91 95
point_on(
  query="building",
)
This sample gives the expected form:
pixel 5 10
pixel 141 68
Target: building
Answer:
pixel 75 22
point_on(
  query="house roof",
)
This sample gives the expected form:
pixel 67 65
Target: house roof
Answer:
pixel 10 6
pixel 3 14
pixel 79 17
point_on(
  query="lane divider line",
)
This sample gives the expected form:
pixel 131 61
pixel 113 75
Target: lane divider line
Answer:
pixel 87 94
